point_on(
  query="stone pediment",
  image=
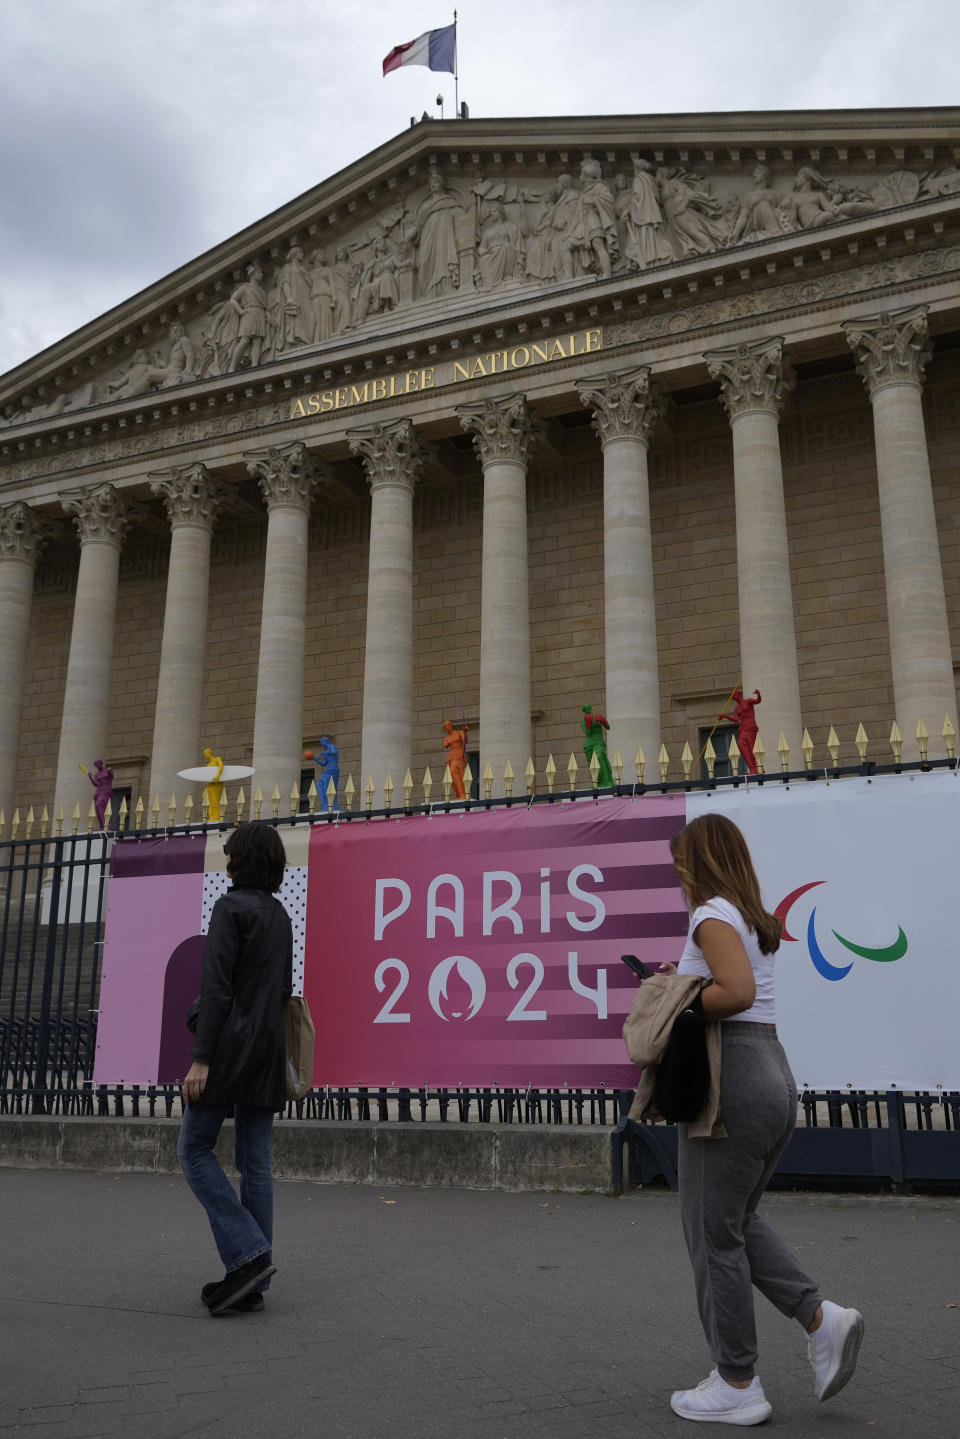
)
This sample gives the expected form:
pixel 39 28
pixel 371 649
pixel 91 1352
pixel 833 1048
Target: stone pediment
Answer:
pixel 455 218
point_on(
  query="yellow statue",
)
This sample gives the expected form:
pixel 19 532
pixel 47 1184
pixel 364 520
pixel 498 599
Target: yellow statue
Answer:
pixel 214 793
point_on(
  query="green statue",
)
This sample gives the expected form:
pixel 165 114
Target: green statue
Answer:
pixel 595 743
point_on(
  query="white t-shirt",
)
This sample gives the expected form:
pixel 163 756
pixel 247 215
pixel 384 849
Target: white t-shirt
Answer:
pixel 763 1010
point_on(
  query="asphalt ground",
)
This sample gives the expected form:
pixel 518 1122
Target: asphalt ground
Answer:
pixel 428 1314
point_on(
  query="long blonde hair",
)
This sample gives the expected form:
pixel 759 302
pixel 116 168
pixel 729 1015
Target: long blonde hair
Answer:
pixel 712 860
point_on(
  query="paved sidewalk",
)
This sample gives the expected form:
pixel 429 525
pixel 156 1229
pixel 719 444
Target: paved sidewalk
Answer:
pixel 420 1314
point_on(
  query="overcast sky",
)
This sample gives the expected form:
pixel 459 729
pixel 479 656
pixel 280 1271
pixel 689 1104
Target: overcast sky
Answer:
pixel 134 134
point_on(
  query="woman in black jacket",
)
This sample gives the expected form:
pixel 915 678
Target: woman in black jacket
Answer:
pixel 238 1063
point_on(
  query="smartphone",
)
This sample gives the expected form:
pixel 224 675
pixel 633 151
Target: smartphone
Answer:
pixel 643 971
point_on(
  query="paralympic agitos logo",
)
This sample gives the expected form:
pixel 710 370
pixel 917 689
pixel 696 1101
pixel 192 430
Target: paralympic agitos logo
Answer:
pixel 821 964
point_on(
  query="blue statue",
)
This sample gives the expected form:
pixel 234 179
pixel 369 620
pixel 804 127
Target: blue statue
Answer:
pixel 328 768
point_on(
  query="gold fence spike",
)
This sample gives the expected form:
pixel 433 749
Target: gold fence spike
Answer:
pixel 241 804
pixel 294 800
pixel 108 814
pixel 447 784
pixel 312 797
pixel 29 827
pixel 710 755
pixel 896 742
pixel 92 818
pixel 594 768
pixel 550 769
pixel 806 745
pixel 331 795
pixel 686 759
pixel 349 791
pixel 833 744
pixel 172 810
pixel 76 818
pixel 2 823
pixel 617 766
pixel 663 760
pixel 508 778
pixel 733 754
pixel 923 738
pixel 275 801
pixel 467 778
pixel 257 803
pixel 639 764
pixel 388 790
pixel 44 821
pixel 783 750
pixel 572 770
pixel 188 808
pixel 530 775
pixel 407 789
pixel 204 805
pixel 760 753
pixel 15 824
pixel 487 778
pixel 155 811
pixel 60 821
pixel 138 812
pixel 861 741
pixel 427 785
pixel 123 812
pixel 370 791
pixel 949 735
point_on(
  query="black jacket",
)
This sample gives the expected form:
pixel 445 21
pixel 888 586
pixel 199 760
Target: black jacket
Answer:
pixel 247 978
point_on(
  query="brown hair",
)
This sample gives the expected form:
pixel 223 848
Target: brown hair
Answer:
pixel 712 860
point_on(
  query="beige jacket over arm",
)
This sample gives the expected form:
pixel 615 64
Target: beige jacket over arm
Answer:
pixel 646 1031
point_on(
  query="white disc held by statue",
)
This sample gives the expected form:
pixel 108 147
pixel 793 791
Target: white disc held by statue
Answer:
pixel 207 773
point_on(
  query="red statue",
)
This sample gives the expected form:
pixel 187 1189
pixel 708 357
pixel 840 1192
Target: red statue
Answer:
pixel 746 722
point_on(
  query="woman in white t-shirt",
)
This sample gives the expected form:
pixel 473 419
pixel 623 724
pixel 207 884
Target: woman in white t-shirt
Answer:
pixel 732 939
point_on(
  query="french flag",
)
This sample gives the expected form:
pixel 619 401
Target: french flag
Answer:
pixel 435 48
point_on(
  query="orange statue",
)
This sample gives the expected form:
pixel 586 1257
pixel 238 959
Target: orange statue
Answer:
pixel 456 743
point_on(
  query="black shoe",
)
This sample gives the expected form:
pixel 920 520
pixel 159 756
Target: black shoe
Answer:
pixel 251 1304
pixel 240 1282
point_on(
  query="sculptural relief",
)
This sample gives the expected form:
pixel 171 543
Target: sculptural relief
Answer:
pixel 501 252
pixel 438 265
pixel 293 310
pixel 646 241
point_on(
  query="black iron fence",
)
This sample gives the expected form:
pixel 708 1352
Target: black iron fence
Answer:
pixel 52 916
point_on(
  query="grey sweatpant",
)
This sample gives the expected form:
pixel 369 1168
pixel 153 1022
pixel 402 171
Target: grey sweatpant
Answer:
pixel 721 1182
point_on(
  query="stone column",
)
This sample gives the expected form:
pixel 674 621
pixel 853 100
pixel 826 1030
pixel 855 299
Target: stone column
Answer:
pixel 288 479
pixel 892 351
pixel 502 433
pixel 21 536
pixel 392 458
pixel 192 500
pixel 625 407
pixel 754 378
pixel 100 516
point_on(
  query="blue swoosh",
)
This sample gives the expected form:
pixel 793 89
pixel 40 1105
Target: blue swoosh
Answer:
pixel 820 962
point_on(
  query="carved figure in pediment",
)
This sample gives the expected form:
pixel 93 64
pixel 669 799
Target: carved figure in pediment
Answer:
pixel 143 375
pixel 541 261
pixel 501 252
pixel 941 182
pixel 593 243
pixel 647 242
pixel 376 289
pixel 438 264
pixel 323 297
pixel 249 304
pixel 295 316
pixel 759 217
pixel 809 202
pixel 344 272
pixel 185 361
pixel 692 217
pixel 565 214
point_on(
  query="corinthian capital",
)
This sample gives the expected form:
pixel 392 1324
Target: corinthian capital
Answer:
pixel 286 474
pixel 502 429
pixel 190 496
pixel 99 513
pixel 392 454
pixel 625 406
pixel 892 348
pixel 752 376
pixel 21 533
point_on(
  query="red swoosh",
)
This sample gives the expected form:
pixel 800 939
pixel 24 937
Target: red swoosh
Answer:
pixel 785 906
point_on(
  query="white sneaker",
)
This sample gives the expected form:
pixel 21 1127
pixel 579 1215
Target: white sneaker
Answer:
pixel 714 1401
pixel 833 1349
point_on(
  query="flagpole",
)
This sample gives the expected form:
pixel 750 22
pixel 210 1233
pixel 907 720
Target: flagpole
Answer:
pixel 456 77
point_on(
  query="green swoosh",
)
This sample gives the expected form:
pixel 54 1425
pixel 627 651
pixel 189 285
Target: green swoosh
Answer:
pixel 893 951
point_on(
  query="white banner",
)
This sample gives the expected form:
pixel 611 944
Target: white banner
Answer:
pixel 861 871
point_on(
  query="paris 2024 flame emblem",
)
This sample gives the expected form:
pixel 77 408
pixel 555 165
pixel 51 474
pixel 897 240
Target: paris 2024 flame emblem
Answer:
pixel 823 966
pixel 470 975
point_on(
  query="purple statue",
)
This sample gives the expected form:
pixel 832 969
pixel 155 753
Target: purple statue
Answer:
pixel 102 781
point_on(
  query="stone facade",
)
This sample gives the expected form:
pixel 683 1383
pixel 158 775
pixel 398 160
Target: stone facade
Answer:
pixel 681 355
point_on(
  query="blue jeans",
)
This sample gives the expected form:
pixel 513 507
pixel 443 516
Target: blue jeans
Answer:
pixel 242 1228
